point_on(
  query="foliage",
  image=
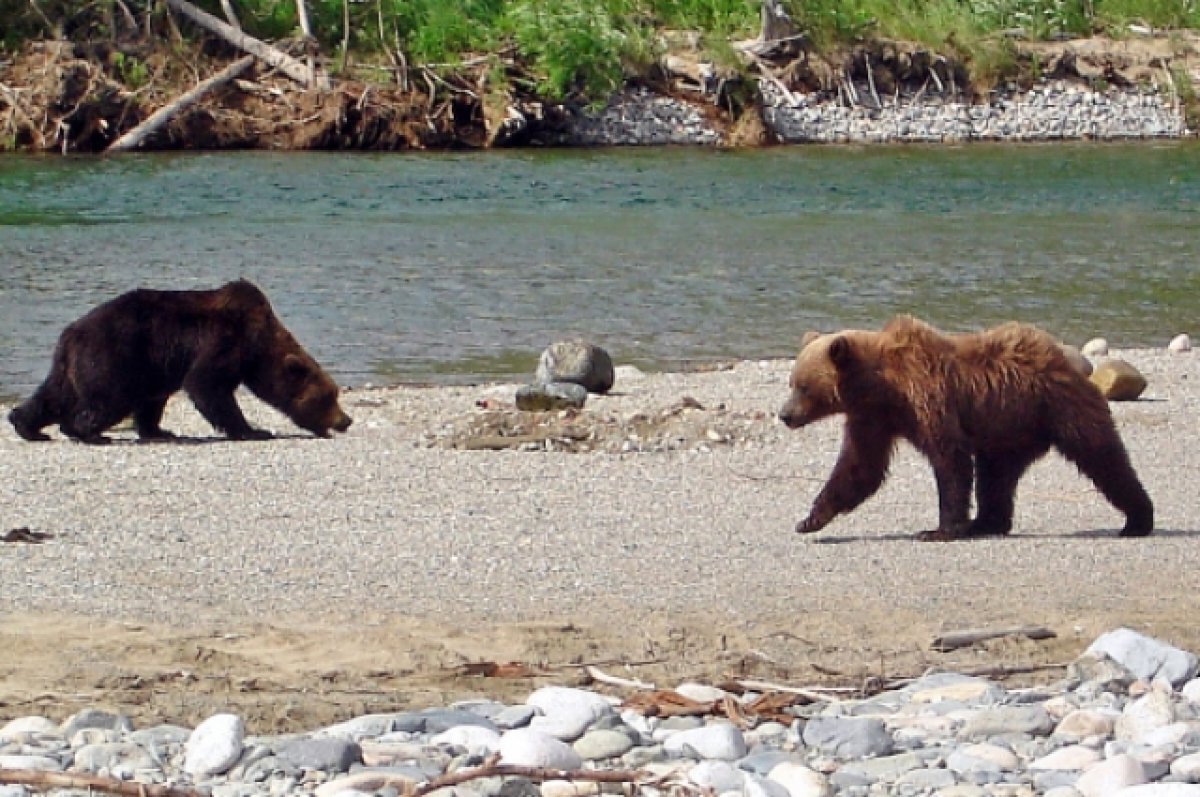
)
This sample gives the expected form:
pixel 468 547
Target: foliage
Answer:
pixel 577 45
pixel 585 48
pixel 130 70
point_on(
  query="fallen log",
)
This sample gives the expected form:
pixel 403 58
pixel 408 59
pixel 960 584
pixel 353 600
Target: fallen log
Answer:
pixel 135 137
pixel 256 47
pixel 961 639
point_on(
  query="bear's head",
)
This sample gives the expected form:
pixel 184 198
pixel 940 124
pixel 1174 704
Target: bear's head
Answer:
pixel 309 396
pixel 816 376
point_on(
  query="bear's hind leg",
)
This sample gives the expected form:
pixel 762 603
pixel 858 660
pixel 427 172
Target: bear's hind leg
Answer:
pixel 28 420
pixel 40 410
pixel 1107 465
pixel 954 472
pixel 996 478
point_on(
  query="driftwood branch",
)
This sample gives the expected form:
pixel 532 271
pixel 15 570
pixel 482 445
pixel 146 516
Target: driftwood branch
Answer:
pixel 493 768
pixel 260 49
pixel 40 779
pixel 961 639
pixel 135 137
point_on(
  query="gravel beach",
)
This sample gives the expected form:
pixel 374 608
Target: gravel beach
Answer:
pixel 300 581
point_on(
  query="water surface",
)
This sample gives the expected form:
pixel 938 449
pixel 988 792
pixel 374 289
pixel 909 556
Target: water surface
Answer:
pixel 462 267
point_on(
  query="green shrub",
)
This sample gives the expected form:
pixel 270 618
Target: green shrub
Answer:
pixel 576 47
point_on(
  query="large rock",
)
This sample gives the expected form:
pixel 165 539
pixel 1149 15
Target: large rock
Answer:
pixel 1118 380
pixel 1146 657
pixel 577 361
pixel 566 713
pixel 720 741
pixel 848 738
pixel 533 748
pixel 214 746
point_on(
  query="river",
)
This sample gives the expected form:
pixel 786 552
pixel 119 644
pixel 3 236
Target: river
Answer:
pixel 461 267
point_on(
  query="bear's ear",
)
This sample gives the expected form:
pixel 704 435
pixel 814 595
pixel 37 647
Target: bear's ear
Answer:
pixel 808 338
pixel 294 366
pixel 840 353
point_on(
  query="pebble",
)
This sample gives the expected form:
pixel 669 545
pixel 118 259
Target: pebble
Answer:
pixel 1123 722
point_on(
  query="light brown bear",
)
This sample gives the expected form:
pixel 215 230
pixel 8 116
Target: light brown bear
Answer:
pixel 981 407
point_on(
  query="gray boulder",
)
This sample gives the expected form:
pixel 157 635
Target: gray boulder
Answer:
pixel 579 362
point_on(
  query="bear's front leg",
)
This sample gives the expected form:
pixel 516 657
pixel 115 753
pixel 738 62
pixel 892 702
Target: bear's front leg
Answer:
pixel 859 472
pixel 219 407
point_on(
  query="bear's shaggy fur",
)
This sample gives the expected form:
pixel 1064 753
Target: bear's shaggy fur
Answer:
pixel 981 407
pixel 127 356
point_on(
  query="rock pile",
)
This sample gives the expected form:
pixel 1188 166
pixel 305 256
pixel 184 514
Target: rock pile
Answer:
pixel 1052 111
pixel 1125 722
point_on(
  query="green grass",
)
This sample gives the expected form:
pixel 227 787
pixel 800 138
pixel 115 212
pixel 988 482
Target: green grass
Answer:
pixel 586 48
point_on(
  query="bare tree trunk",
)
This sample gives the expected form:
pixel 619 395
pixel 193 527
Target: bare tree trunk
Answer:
pixel 134 138
pixel 345 33
pixel 230 14
pixel 260 49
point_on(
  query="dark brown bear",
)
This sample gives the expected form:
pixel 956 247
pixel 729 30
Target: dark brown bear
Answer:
pixel 127 357
pixel 982 407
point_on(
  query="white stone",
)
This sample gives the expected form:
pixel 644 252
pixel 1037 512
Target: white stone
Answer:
pixel 1161 790
pixel 1062 791
pixel 720 776
pixel 40 762
pixel 758 786
pixel 1109 777
pixel 533 748
pixel 1174 733
pixel 473 737
pixel 701 693
pixel 1187 767
pixel 982 758
pixel 1076 757
pixel 1190 692
pixel 569 788
pixel 366 782
pixel 965 691
pixel 800 781
pixel 1180 344
pixel 215 745
pixel 1147 658
pixel 22 726
pixel 1143 716
pixel 1059 707
pixel 1096 347
pixel 720 740
pixel 1087 722
pixel 566 713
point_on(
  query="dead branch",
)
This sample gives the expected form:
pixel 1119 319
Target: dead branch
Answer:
pixel 493 768
pixel 961 639
pixel 260 49
pixel 596 674
pixel 69 780
pixel 134 138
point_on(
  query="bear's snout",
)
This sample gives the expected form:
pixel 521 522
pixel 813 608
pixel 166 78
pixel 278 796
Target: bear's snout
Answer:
pixel 342 422
pixel 793 415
